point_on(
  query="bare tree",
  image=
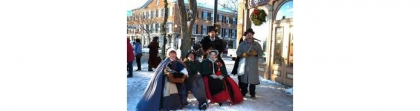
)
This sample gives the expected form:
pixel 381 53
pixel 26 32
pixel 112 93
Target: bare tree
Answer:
pixel 144 22
pixel 163 30
pixel 231 5
pixel 186 29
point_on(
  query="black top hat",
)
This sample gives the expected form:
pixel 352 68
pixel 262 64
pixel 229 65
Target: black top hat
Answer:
pixel 155 38
pixel 249 30
pixel 211 28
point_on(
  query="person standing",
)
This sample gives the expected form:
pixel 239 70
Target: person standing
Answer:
pixel 252 51
pixel 138 51
pixel 130 59
pixel 212 42
pixel 154 60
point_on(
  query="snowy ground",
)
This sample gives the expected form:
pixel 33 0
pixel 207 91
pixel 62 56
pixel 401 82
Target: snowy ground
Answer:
pixel 271 96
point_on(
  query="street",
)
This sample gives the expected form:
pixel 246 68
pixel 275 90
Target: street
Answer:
pixel 270 96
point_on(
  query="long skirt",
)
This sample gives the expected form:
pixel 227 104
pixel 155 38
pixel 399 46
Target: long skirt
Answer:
pixel 222 90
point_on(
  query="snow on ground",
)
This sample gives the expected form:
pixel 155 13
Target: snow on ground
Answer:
pixel 270 96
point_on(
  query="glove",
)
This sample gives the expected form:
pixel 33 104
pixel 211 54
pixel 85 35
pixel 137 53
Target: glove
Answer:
pixel 252 53
pixel 244 55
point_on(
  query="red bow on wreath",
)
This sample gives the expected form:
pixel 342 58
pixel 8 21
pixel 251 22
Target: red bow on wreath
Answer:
pixel 255 12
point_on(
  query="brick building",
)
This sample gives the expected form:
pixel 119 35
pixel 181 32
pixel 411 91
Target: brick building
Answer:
pixel 149 18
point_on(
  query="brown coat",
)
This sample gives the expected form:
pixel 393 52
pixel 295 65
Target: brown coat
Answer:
pixel 154 60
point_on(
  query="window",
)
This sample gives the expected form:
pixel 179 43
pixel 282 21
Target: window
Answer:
pixel 170 28
pixel 227 20
pixel 234 34
pixel 157 28
pixel 223 19
pixel 222 32
pixel 153 28
pixel 230 33
pixel 157 2
pixel 220 17
pixel 204 29
pixel 227 33
pixel 204 14
pixel 234 21
pixel 210 16
pixel 156 13
pixel 163 12
pixel 159 14
pixel 151 14
pixel 194 29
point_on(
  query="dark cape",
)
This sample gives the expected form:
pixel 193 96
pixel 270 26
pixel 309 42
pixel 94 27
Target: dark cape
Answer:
pixel 152 98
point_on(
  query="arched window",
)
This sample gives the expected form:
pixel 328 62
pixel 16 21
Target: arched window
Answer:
pixel 286 10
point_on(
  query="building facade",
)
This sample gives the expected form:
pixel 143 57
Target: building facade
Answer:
pixel 276 36
pixel 149 19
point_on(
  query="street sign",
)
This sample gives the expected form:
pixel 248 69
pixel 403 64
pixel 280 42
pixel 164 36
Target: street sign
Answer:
pixel 129 13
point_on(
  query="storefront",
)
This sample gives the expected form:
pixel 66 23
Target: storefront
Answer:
pixel 276 37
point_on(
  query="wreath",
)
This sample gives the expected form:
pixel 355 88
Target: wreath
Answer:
pixel 258 16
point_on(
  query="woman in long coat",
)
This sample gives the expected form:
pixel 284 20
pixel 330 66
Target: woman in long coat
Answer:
pixel 252 51
pixel 154 60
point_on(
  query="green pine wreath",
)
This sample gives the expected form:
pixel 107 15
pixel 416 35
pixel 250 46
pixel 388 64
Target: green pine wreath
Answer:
pixel 258 16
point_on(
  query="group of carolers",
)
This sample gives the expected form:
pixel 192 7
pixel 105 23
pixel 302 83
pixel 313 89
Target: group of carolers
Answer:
pixel 206 80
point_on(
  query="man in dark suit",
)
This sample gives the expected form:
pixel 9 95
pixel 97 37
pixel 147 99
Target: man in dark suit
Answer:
pixel 212 42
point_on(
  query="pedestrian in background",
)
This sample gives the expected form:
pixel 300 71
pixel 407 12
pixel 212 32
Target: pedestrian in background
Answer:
pixel 130 59
pixel 154 60
pixel 138 51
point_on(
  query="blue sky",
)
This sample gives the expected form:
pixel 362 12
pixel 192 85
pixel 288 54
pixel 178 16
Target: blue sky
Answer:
pixel 286 9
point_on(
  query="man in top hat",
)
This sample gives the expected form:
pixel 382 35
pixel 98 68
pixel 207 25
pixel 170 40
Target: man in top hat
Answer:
pixel 252 51
pixel 212 42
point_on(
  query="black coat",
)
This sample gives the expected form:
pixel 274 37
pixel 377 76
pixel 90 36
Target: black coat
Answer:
pixel 217 44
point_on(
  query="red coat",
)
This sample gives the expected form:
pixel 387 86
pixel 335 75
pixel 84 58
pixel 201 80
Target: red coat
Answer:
pixel 130 53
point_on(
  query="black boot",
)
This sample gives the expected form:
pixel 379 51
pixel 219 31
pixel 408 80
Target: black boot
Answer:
pixel 220 104
pixel 130 75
